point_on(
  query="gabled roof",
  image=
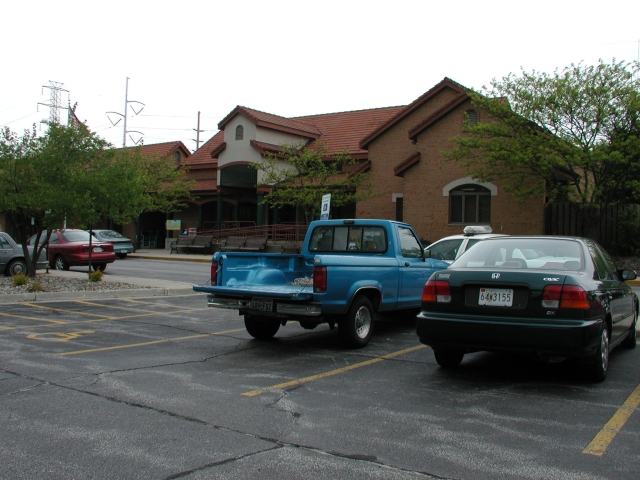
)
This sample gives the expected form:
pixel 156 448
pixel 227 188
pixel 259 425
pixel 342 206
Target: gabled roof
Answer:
pixel 437 115
pixel 335 131
pixel 163 150
pixel 202 156
pixel 409 109
pixel 273 122
pixel 343 130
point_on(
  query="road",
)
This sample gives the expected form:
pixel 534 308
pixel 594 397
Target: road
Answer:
pixel 196 273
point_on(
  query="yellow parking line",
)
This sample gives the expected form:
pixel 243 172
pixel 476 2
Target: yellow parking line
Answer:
pixel 154 342
pixel 311 378
pixel 167 305
pixel 22 317
pixel 93 304
pixel 44 307
pixel 605 436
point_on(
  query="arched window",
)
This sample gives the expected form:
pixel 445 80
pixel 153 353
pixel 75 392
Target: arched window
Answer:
pixel 470 117
pixel 470 204
pixel 239 132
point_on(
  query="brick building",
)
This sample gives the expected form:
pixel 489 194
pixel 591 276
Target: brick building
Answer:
pixel 399 146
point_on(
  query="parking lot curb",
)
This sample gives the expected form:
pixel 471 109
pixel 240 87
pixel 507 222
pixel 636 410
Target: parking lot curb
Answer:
pixel 173 259
pixel 94 295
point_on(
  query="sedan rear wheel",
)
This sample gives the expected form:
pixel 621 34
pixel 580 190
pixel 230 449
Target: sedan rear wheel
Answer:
pixel 448 358
pixel 17 267
pixel 601 357
pixel 59 263
pixel 99 266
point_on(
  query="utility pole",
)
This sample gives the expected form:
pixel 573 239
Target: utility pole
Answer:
pixel 126 104
pixel 54 101
pixel 197 140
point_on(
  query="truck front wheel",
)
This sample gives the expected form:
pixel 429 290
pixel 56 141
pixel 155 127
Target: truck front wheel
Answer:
pixel 261 327
pixel 356 327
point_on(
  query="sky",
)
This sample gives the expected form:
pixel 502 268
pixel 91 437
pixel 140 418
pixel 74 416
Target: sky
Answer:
pixel 288 58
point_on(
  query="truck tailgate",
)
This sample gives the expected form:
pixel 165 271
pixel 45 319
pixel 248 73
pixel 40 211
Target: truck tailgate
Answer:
pixel 289 292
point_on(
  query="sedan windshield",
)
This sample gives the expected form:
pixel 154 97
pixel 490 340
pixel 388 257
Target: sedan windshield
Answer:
pixel 514 252
pixel 110 234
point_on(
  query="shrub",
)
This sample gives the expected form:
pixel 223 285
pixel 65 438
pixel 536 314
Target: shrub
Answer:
pixel 96 276
pixel 20 279
pixel 36 287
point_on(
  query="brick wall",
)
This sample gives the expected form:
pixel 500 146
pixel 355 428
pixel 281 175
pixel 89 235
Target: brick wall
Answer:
pixel 421 185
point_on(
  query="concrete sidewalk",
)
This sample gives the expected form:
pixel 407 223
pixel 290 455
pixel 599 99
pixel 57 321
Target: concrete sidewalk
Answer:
pixel 162 254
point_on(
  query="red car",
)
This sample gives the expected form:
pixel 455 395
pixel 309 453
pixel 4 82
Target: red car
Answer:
pixel 70 248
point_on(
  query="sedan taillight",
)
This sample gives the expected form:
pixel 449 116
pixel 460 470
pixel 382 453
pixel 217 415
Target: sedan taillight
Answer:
pixel 436 291
pixel 564 296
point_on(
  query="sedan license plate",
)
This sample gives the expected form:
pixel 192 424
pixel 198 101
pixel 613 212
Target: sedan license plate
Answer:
pixel 262 305
pixel 97 249
pixel 496 297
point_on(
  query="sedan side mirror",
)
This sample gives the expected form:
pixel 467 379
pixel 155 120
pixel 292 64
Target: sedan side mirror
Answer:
pixel 629 275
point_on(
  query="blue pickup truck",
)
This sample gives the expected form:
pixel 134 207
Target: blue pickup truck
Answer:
pixel 347 273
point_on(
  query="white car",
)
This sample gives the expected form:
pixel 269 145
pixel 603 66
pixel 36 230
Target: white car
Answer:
pixel 450 248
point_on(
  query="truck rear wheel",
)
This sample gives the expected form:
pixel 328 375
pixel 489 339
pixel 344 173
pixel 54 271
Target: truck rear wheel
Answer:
pixel 261 327
pixel 356 327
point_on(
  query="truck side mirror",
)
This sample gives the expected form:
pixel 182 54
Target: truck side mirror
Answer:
pixel 426 253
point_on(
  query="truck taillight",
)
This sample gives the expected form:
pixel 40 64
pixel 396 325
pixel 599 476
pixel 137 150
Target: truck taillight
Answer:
pixel 214 273
pixel 564 296
pixel 319 279
pixel 436 291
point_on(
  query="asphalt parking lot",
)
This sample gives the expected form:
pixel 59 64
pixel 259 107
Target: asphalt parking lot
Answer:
pixel 164 387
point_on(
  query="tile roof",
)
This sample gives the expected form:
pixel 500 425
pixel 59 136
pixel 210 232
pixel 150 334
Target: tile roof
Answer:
pixel 203 154
pixel 162 150
pixel 274 122
pixel 335 131
pixel 344 130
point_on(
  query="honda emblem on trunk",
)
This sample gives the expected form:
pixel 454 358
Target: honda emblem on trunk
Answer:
pixel 495 276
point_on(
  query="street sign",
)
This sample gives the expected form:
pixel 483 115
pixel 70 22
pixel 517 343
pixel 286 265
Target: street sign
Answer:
pixel 324 211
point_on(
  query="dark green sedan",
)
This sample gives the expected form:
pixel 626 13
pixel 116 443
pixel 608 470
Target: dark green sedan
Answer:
pixel 555 297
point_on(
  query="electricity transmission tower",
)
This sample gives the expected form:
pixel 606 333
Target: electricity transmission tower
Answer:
pixel 54 101
pixel 126 104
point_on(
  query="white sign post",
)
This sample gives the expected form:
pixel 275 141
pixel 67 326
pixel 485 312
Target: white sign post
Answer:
pixel 324 211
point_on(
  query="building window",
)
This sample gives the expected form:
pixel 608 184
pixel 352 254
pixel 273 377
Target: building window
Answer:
pixel 176 157
pixel 470 117
pixel 470 204
pixel 239 132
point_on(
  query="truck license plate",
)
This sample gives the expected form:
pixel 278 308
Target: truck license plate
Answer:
pixel 262 305
pixel 496 297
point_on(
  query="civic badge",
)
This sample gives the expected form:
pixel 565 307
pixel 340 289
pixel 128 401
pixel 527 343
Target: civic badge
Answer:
pixel 495 276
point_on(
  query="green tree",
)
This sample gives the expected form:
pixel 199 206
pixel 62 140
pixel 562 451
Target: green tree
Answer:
pixel 300 176
pixel 71 176
pixel 572 135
